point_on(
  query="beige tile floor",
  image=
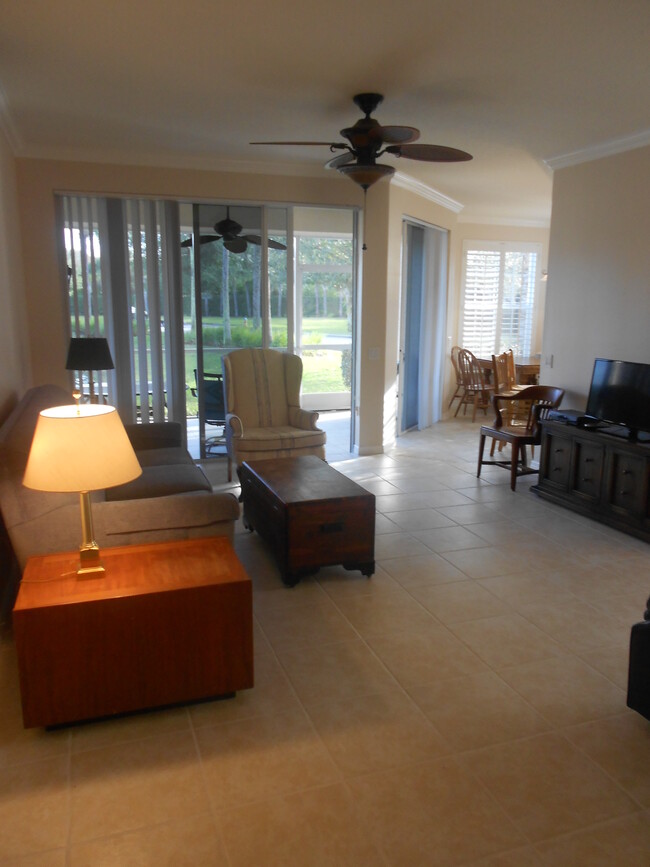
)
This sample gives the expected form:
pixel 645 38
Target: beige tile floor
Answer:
pixel 465 706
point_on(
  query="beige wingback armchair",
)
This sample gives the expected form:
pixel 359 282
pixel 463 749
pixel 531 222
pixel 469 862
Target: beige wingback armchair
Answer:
pixel 263 414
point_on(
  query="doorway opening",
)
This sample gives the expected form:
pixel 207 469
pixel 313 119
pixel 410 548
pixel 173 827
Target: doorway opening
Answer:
pixel 422 325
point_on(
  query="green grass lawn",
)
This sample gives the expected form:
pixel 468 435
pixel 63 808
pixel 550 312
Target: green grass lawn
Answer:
pixel 321 372
pixel 321 367
pixel 310 325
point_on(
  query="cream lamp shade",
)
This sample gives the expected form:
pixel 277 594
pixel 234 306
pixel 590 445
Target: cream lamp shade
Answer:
pixel 81 448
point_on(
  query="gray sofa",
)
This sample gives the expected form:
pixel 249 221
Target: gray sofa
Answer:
pixel 172 499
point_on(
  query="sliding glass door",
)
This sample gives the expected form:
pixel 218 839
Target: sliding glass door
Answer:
pixel 234 296
pixel 325 292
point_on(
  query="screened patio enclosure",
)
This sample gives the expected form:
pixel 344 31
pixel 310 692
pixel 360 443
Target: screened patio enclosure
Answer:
pixel 273 276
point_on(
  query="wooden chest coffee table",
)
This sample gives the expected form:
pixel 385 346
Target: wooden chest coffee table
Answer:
pixel 310 514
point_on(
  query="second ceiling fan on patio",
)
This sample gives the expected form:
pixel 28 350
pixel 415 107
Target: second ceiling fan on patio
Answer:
pixel 367 140
pixel 229 231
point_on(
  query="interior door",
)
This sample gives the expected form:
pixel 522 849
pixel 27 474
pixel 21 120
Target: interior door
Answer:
pixel 422 325
pixel 410 355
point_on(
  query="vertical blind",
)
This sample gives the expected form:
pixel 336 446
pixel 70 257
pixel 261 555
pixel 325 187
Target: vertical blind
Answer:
pixel 498 303
pixel 120 285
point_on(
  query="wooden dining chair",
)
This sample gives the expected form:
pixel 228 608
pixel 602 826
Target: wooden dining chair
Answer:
pixel 475 389
pixel 504 377
pixel 504 373
pixel 459 381
pixel 539 399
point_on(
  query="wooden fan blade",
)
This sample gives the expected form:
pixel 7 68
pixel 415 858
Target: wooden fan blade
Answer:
pixel 327 144
pixel 398 134
pixel 340 160
pixel 255 239
pixel 429 153
pixel 203 239
pixel 236 245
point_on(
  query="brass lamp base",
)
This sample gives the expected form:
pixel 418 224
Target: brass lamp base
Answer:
pixel 89 562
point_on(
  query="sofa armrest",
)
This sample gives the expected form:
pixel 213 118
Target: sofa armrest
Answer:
pixel 156 435
pixel 303 418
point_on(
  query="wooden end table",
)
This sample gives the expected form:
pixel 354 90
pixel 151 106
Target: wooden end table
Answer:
pixel 167 623
pixel 310 514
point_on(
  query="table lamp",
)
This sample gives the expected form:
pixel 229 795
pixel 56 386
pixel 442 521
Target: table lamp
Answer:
pixel 81 448
pixel 89 353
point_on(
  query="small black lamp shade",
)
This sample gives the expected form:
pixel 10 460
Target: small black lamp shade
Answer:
pixel 89 353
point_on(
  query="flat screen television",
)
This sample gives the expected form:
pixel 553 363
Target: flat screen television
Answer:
pixel 620 395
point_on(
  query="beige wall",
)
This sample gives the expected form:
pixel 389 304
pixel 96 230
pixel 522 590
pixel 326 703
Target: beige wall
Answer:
pixel 14 344
pixel 598 291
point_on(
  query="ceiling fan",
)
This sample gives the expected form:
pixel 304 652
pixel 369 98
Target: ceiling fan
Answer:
pixel 230 232
pixel 367 140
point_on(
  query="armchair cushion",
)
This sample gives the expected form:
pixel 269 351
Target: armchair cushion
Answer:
pixel 274 438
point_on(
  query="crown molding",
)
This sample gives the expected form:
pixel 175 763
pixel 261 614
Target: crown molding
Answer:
pixel 596 152
pixel 172 161
pixel 407 183
pixel 504 221
pixel 8 126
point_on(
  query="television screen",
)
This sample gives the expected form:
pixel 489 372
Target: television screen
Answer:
pixel 620 393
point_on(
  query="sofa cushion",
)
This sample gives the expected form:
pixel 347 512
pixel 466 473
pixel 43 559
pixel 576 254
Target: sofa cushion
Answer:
pixel 161 481
pixel 155 435
pixel 163 457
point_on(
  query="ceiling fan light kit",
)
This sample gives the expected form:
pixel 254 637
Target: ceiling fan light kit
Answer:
pixel 366 176
pixel 367 140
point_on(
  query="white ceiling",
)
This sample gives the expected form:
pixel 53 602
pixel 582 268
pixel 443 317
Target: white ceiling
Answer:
pixel 514 82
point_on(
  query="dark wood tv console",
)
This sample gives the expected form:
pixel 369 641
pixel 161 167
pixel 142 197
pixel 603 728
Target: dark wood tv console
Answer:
pixel 597 474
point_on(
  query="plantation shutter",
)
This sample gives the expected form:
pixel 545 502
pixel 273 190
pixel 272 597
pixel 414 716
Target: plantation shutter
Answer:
pixel 498 297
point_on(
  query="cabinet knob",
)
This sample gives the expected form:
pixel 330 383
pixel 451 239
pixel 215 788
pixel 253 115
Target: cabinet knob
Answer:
pixel 558 450
pixel 586 479
pixel 589 460
pixel 624 493
pixel 627 472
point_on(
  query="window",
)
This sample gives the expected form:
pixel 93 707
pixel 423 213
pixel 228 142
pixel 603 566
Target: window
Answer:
pixel 498 306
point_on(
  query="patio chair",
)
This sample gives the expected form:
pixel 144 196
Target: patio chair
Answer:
pixel 214 411
pixel 263 414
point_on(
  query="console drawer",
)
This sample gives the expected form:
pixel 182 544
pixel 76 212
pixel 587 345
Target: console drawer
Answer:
pixel 628 484
pixel 588 463
pixel 555 462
